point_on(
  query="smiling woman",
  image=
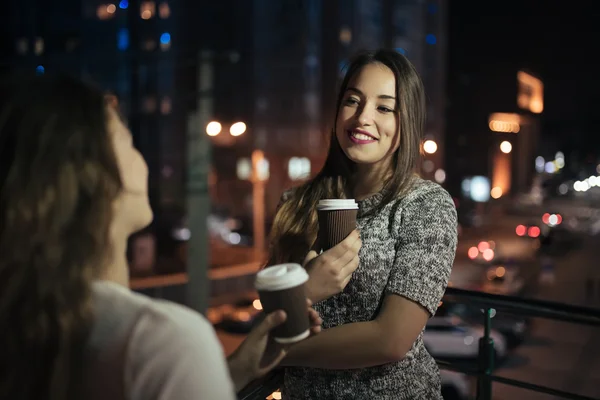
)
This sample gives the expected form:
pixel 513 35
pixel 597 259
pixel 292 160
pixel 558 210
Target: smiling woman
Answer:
pixel 367 122
pixel 378 290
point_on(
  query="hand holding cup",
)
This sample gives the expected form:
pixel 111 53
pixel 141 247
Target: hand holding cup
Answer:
pixel 259 354
pixel 330 272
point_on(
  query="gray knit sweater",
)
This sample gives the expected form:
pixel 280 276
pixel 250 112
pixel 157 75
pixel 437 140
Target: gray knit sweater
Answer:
pixel 408 250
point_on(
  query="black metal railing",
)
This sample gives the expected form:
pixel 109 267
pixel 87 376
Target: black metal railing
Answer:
pixel 259 390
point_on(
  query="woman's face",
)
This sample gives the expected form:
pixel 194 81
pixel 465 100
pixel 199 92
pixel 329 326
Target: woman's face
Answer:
pixel 132 207
pixel 367 126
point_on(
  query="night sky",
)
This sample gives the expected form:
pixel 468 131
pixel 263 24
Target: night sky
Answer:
pixel 558 40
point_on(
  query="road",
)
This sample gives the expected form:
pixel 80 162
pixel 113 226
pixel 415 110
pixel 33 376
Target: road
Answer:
pixel 468 275
pixel 560 355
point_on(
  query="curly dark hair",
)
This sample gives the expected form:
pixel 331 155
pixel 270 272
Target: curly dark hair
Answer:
pixel 58 181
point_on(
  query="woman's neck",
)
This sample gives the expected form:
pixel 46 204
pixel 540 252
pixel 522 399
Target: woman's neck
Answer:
pixel 368 180
pixel 118 269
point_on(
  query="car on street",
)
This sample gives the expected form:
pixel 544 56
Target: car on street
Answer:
pixel 450 337
pixel 514 328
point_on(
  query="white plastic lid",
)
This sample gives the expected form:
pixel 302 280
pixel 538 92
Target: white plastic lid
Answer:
pixel 337 204
pixel 279 277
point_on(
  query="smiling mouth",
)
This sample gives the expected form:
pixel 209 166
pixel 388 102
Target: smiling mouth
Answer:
pixel 360 137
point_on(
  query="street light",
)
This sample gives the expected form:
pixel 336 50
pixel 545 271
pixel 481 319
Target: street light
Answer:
pixel 213 128
pixel 505 147
pixel 237 129
pixel 260 174
pixel 430 146
pixel 496 192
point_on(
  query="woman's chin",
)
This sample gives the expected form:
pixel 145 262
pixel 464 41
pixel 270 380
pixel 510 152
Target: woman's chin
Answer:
pixel 358 157
pixel 146 219
pixel 140 219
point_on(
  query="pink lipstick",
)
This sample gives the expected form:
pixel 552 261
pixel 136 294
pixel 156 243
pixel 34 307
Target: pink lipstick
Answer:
pixel 358 136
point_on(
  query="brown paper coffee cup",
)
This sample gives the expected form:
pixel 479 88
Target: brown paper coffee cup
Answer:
pixel 281 287
pixel 337 219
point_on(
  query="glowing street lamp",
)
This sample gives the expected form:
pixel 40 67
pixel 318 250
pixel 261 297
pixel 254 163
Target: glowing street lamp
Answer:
pixel 237 129
pixel 213 128
pixel 505 147
pixel 430 146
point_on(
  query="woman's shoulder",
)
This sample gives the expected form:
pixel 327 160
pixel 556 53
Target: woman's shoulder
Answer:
pixel 118 309
pixel 424 191
pixel 425 201
pixel 165 350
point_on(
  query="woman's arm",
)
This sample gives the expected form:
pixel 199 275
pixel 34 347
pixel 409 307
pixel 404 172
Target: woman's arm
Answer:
pixel 364 344
pixel 419 275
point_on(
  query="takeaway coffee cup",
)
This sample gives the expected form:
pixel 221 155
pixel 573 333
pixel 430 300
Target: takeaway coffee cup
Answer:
pixel 281 287
pixel 337 219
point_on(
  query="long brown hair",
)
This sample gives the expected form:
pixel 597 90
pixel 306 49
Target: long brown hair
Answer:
pixel 295 225
pixel 58 181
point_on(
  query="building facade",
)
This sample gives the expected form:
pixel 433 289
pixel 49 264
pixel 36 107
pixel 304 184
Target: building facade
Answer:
pixel 124 47
pixel 495 130
pixel 299 50
pixel 273 65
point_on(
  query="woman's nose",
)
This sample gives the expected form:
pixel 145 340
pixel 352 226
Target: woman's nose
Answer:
pixel 365 117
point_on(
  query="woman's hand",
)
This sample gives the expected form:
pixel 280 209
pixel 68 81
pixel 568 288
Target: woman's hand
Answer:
pixel 259 354
pixel 331 271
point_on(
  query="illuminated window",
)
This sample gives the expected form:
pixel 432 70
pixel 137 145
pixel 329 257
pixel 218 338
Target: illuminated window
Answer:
pixel 165 41
pixel 299 168
pixel 22 46
pixel 149 45
pixel 165 105
pixel 262 169
pixel 428 166
pixel 345 35
pixel 505 122
pixel 106 11
pixel 123 39
pixel 164 11
pixel 244 168
pixel 147 9
pixel 149 104
pixel 38 47
pixel 531 93
pixel 431 39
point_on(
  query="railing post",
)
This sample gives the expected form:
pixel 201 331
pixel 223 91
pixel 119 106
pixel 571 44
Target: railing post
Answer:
pixel 485 359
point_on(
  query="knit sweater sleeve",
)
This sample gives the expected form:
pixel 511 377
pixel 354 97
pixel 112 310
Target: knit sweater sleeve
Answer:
pixel 426 225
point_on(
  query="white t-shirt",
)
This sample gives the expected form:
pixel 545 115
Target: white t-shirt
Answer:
pixel 145 349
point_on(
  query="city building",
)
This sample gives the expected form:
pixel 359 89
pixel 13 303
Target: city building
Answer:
pixel 299 50
pixel 495 130
pixel 273 66
pixel 124 47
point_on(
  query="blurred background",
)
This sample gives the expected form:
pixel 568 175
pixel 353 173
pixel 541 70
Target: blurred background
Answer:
pixel 231 103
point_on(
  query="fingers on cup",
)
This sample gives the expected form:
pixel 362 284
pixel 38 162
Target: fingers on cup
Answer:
pixel 272 320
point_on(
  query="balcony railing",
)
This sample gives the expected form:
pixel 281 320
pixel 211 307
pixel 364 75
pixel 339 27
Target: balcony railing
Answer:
pixel 259 390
